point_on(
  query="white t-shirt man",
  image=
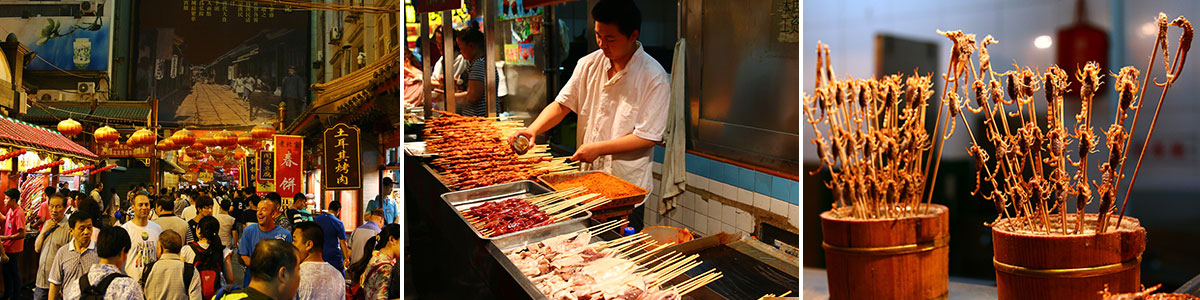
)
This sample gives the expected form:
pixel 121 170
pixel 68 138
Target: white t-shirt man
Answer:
pixel 144 250
pixel 633 101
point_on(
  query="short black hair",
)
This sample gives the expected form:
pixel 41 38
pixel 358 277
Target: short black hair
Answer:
pixel 226 205
pixel 254 199
pixel 270 255
pixel 387 181
pixel 204 201
pixel 475 39
pixel 77 217
pixel 300 197
pixel 112 241
pixel 13 193
pixel 48 191
pixel 623 13
pixel 166 204
pixel 311 232
pixel 274 197
pixel 170 241
pixel 334 205
pixel 90 205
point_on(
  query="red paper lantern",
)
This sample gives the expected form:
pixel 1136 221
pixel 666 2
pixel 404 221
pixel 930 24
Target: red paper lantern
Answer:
pixel 262 132
pixel 142 137
pixel 184 137
pixel 239 154
pixel 217 153
pixel 70 127
pixel 105 135
pixel 226 138
pixel 196 146
pixel 208 140
pixel 165 145
pixel 245 139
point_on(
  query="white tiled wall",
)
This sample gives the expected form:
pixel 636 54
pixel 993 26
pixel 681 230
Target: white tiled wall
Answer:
pixel 709 216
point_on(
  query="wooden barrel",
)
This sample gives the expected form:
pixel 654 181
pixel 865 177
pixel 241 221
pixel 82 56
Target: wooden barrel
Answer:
pixel 1039 266
pixel 905 258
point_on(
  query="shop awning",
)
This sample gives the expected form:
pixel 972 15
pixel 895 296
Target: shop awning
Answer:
pixel 350 94
pixel 114 111
pixel 14 133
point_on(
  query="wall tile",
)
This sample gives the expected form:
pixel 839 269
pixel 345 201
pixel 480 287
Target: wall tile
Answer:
pixel 762 183
pixel 762 201
pixel 780 188
pixel 729 215
pixel 730 173
pixel 659 152
pixel 794 194
pixel 700 223
pixel 713 170
pixel 730 228
pixel 745 179
pixel 687 217
pixel 745 197
pixel 745 221
pixel 702 206
pixel 714 226
pixel 794 216
pixel 696 181
pixel 779 207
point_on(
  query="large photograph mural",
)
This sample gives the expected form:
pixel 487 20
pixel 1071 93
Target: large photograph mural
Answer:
pixel 220 62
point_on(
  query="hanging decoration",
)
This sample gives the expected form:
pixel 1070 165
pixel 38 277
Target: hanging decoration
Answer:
pixel 245 139
pixel 226 138
pixel 209 140
pixel 45 166
pixel 106 135
pixel 105 168
pixel 142 137
pixel 262 132
pixel 9 155
pixel 70 127
pixel 184 137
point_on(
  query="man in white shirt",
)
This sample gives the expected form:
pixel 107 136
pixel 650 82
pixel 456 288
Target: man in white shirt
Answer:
pixel 143 237
pixel 319 279
pixel 620 95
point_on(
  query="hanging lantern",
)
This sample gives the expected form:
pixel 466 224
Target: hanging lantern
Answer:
pixel 226 138
pixel 262 132
pixel 70 127
pixel 105 135
pixel 245 139
pixel 209 140
pixel 200 155
pixel 239 154
pixel 196 146
pixel 256 146
pixel 184 137
pixel 217 153
pixel 191 152
pixel 142 137
pixel 165 145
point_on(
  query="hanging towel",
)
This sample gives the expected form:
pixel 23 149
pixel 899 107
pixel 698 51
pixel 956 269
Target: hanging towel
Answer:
pixel 674 175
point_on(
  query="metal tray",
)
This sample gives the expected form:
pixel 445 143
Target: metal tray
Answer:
pixel 550 179
pixel 416 149
pixel 466 199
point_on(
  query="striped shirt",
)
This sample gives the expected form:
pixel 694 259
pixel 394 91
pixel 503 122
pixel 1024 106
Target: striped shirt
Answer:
pixel 69 264
pixel 53 240
pixel 476 71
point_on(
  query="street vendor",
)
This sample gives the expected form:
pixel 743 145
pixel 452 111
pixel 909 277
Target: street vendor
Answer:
pixel 620 96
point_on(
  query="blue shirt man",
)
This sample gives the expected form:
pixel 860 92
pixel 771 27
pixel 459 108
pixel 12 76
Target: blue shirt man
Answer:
pixel 268 210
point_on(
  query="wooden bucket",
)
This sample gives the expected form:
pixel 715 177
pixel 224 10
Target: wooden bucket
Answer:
pixel 1038 266
pixel 904 258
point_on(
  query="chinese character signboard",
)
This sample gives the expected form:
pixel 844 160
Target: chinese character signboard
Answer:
pixel 248 171
pixel 342 167
pixel 289 165
pixel 124 151
pixel 266 165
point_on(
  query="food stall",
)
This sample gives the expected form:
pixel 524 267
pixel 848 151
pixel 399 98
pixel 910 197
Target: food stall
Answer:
pixel 485 206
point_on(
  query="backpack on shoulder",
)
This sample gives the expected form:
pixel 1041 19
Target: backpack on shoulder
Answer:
pixel 208 263
pixel 89 292
pixel 188 274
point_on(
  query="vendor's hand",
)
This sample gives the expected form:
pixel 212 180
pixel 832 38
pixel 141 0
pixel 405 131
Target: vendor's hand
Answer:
pixel 586 153
pixel 50 224
pixel 512 138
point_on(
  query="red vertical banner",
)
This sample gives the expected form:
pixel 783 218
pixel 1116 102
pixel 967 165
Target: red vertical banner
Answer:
pixel 289 165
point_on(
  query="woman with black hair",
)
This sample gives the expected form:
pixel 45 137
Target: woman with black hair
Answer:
pixel 377 277
pixel 207 254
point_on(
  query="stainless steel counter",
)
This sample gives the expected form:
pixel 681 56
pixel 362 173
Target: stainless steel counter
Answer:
pixel 816 286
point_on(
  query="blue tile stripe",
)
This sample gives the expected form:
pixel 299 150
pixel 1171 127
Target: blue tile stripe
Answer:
pixel 780 188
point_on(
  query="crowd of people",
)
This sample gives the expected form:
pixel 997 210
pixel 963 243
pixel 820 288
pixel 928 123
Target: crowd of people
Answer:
pixel 185 244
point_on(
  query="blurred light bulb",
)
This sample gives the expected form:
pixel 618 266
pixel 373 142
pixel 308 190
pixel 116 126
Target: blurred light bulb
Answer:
pixel 1150 28
pixel 1043 42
